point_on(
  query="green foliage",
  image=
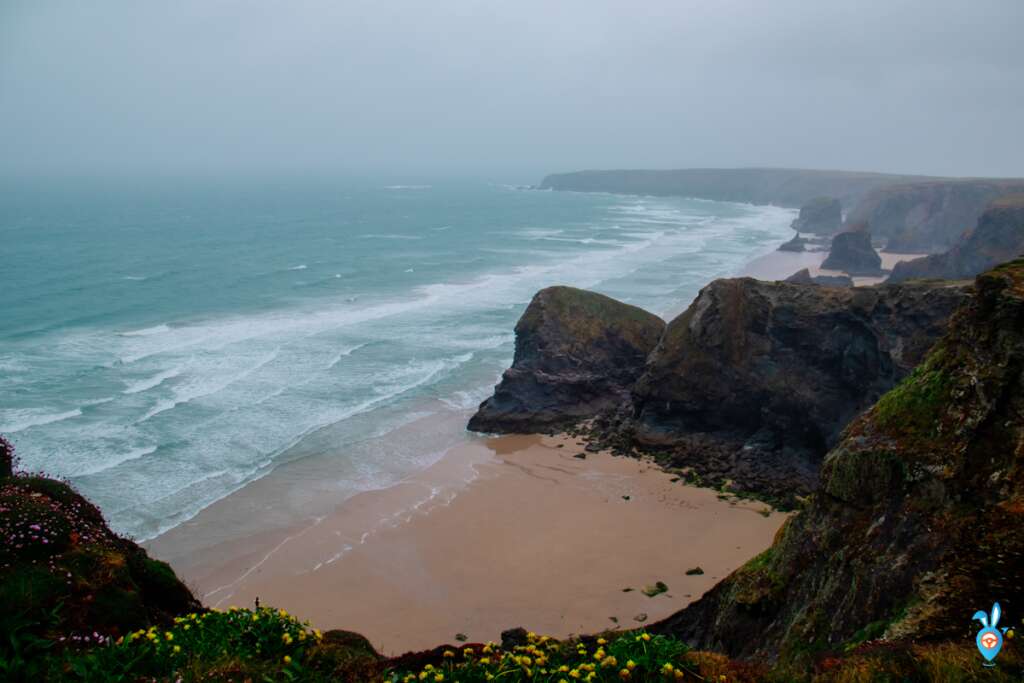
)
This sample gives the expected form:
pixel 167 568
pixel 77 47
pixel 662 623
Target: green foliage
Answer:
pixel 631 656
pixel 914 406
pixel 264 641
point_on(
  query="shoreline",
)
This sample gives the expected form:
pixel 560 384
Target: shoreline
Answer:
pixel 454 549
pixel 228 562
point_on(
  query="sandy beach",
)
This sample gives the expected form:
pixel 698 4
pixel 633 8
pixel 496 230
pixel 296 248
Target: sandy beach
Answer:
pixel 500 532
pixel 778 265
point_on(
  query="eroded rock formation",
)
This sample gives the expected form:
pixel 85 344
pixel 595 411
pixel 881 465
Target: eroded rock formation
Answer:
pixel 577 352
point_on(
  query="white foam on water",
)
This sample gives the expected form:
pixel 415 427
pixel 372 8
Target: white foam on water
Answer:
pixel 152 382
pixel 147 331
pixel 14 421
pixel 258 384
pixel 117 460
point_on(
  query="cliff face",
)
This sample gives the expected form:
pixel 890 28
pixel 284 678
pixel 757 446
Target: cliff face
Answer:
pixel 821 215
pixel 928 217
pixel 779 186
pixel 773 371
pixel 998 237
pixel 577 352
pixel 917 520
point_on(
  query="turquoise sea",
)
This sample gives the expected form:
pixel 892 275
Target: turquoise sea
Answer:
pixel 165 343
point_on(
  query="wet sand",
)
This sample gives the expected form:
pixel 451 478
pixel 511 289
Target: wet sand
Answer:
pixel 502 532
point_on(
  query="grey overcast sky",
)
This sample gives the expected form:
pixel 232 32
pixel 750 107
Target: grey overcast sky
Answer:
pixel 518 87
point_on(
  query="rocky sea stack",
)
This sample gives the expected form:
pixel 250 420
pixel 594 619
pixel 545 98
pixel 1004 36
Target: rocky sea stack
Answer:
pixel 577 352
pixel 998 237
pixel 798 243
pixel 852 253
pixel 917 520
pixel 821 216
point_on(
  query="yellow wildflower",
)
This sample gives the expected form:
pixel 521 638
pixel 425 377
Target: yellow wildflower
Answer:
pixel 467 652
pixel 667 668
pixel 624 674
pixel 282 613
pixel 439 678
pixel 177 649
pixel 485 660
pixel 610 661
pixel 449 653
pixel 602 641
pixel 630 664
pixel 287 659
pixel 169 636
pixel 645 636
pixel 599 655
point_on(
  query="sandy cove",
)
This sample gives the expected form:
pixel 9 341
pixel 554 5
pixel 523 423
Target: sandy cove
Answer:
pixel 536 537
pixel 778 265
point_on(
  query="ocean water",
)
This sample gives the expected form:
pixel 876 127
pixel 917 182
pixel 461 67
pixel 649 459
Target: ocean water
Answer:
pixel 164 344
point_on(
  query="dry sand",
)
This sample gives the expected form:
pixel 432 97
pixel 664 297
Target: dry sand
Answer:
pixel 502 532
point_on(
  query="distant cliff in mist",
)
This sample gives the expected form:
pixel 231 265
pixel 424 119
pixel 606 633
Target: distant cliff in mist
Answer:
pixel 779 186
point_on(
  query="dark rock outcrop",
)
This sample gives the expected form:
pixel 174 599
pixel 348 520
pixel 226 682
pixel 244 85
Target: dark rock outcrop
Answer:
pixel 577 353
pixel 998 237
pixel 928 217
pixel 803 277
pixel 798 243
pixel 852 253
pixel 755 380
pixel 780 186
pixel 916 523
pixel 821 216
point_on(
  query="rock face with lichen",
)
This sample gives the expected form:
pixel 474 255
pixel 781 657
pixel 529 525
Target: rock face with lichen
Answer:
pixel 755 380
pixel 852 253
pixel 916 523
pixel 577 352
pixel 998 237
pixel 821 216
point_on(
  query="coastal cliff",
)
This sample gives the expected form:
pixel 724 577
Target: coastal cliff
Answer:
pixel 912 214
pixel 779 186
pixel 752 384
pixel 998 237
pixel 917 520
pixel 928 217
pixel 748 388
pixel 577 352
